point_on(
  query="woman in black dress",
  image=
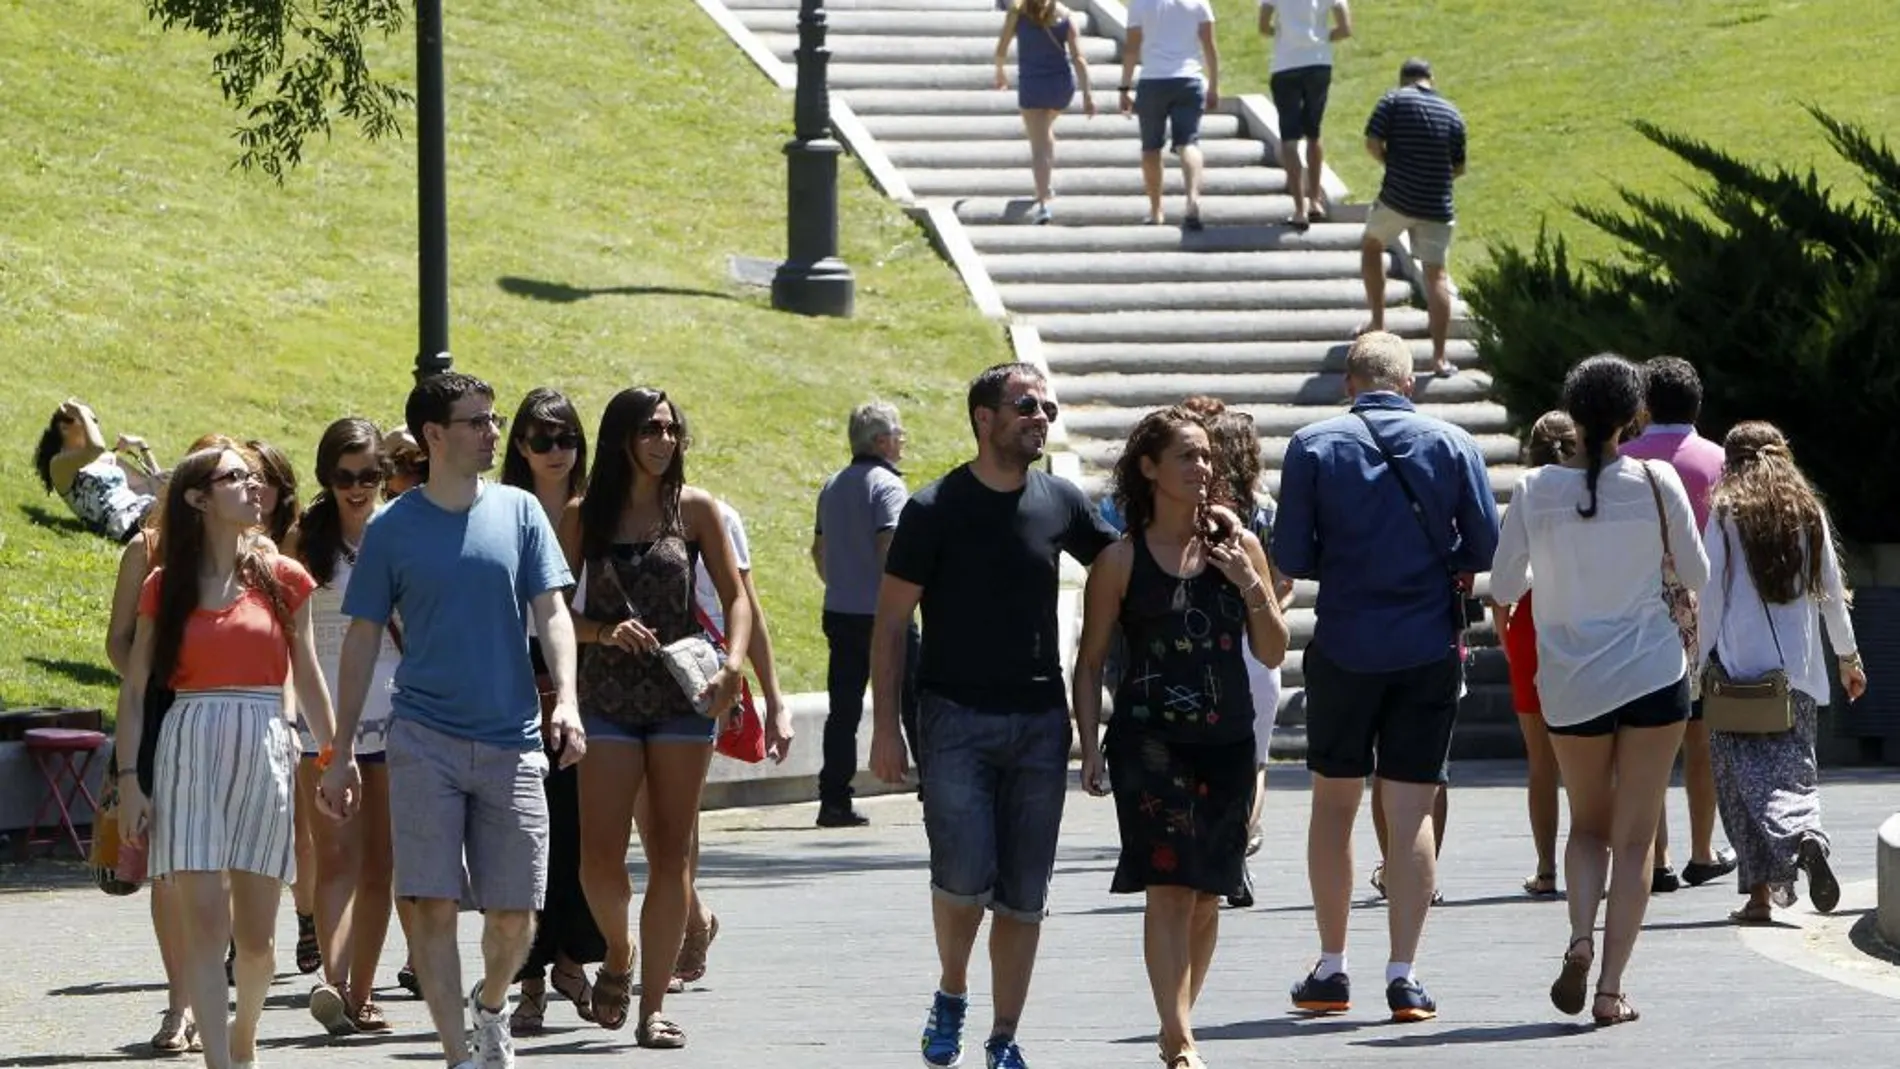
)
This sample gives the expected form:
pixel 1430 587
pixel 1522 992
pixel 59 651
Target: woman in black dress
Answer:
pixel 1188 586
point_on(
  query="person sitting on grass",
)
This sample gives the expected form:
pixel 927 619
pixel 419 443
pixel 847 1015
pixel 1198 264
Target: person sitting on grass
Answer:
pixel 109 497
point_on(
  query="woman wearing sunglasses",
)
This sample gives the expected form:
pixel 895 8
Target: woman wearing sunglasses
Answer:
pixel 547 456
pixel 353 870
pixel 632 541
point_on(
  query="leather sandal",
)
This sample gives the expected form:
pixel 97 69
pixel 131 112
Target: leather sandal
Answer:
pixel 613 994
pixel 573 986
pixel 1623 1014
pixel 659 1033
pixel 1567 992
pixel 369 1017
pixel 1542 885
pixel 691 965
pixel 309 953
pixel 531 1009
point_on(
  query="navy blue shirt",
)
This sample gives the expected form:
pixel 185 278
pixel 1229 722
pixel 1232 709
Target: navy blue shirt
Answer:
pixel 1424 139
pixel 1345 521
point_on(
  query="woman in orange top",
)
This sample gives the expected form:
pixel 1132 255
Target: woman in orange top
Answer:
pixel 223 622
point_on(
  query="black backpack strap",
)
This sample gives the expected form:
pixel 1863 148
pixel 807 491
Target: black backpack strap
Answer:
pixel 1411 497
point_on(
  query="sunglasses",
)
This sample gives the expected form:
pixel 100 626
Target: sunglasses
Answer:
pixel 234 476
pixel 1027 405
pixel 654 428
pixel 547 443
pixel 345 479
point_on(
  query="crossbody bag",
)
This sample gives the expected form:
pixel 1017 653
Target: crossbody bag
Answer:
pixel 1760 706
pixel 1465 609
pixel 691 661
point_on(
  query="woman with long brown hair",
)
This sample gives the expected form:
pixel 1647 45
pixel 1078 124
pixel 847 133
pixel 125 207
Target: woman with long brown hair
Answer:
pixel 1049 68
pixel 223 623
pixel 1775 577
pixel 1190 592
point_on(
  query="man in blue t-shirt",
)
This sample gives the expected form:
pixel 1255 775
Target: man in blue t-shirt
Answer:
pixel 466 563
pixel 1420 138
pixel 980 550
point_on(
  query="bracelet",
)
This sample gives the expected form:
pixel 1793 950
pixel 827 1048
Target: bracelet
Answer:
pixel 1127 89
pixel 124 773
pixel 1851 660
pixel 325 756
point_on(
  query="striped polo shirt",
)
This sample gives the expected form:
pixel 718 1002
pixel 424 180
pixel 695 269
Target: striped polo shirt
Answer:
pixel 1424 140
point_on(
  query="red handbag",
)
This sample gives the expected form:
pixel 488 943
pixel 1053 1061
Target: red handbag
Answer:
pixel 744 736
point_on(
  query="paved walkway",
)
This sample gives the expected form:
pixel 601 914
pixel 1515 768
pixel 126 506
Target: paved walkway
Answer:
pixel 825 960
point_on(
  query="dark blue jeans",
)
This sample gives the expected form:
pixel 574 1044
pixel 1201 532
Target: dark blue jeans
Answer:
pixel 849 637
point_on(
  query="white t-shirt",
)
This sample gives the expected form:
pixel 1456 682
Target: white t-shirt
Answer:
pixel 327 627
pixel 1604 635
pixel 705 595
pixel 1734 625
pixel 1302 33
pixel 1170 36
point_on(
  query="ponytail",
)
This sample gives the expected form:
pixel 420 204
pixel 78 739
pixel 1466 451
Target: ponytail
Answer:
pixel 1593 442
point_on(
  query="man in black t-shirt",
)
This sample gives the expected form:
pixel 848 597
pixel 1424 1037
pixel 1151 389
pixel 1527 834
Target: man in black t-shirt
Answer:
pixel 980 549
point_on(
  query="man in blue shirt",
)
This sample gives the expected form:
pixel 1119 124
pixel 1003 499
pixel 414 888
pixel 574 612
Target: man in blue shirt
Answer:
pixel 1392 512
pixel 466 563
pixel 1420 138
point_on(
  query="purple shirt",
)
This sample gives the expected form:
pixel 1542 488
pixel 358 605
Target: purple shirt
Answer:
pixel 1695 458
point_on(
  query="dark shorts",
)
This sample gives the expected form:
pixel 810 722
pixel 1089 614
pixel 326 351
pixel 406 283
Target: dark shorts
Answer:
pixel 1395 724
pixel 994 785
pixel 1299 95
pixel 1657 709
pixel 1164 105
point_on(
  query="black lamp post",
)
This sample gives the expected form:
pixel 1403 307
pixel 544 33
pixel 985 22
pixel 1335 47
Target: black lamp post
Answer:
pixel 812 280
pixel 432 197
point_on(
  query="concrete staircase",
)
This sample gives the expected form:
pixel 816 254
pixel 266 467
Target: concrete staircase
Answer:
pixel 1125 316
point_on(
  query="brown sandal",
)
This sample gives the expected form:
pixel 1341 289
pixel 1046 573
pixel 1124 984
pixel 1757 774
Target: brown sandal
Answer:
pixel 1567 992
pixel 1624 1013
pixel 369 1018
pixel 531 1010
pixel 576 990
pixel 613 994
pixel 691 965
pixel 659 1033
pixel 1753 915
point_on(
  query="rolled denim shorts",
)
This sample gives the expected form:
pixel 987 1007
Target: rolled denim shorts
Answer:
pixel 459 802
pixel 994 785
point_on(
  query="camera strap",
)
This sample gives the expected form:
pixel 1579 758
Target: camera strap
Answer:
pixel 1424 523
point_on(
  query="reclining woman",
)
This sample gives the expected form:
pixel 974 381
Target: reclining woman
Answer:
pixel 109 497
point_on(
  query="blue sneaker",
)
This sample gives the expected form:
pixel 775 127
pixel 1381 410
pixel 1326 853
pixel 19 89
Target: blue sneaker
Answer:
pixel 1332 994
pixel 1001 1052
pixel 943 1031
pixel 1409 1002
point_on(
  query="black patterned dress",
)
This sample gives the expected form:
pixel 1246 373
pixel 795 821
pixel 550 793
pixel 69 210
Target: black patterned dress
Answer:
pixel 651 582
pixel 1180 747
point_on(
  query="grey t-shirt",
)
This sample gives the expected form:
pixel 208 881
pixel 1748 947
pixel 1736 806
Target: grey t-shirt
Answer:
pixel 856 505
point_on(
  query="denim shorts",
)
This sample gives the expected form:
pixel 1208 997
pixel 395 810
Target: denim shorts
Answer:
pixel 994 785
pixel 457 801
pixel 690 727
pixel 1164 104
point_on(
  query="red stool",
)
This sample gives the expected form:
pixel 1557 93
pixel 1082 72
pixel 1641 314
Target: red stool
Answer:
pixel 56 751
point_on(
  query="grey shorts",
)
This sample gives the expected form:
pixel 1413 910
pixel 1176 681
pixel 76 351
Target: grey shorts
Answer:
pixel 994 786
pixel 467 817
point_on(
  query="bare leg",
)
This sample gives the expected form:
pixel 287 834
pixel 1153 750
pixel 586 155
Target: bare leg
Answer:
pixel 168 927
pixel 1012 962
pixel 254 903
pixel 1167 947
pixel 1206 933
pixel 303 891
pixel 675 777
pixel 437 959
pixel 1541 793
pixel 1411 870
pixel 203 909
pixel 1295 178
pixel 1643 758
pixel 1039 125
pixel 1315 170
pixel 611 778
pixel 1379 833
pixel 1372 273
pixel 1329 857
pixel 1151 183
pixel 1588 769
pixel 506 936
pixel 338 853
pixel 956 927
pixel 1193 169
pixel 1698 781
pixel 1661 851
pixel 1438 313
pixel 369 913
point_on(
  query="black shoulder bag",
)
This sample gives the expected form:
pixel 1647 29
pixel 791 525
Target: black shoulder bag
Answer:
pixel 1465 609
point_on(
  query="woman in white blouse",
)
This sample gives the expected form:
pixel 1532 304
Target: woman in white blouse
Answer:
pixel 1776 577
pixel 1611 670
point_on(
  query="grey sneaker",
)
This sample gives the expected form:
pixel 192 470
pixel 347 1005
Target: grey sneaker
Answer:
pixel 494 1046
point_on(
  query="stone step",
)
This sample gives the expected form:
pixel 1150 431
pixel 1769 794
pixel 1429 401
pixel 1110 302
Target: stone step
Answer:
pixel 1220 326
pixel 1326 389
pixel 900 133
pixel 976 54
pixel 1033 298
pixel 1094 478
pixel 1169 266
pixel 831 6
pixel 1483 420
pixel 846 22
pixel 1087 211
pixel 1122 153
pixel 1270 236
pixel 964 91
pixel 1073 183
pixel 1219 358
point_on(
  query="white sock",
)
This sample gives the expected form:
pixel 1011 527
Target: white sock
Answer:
pixel 1330 965
pixel 1398 970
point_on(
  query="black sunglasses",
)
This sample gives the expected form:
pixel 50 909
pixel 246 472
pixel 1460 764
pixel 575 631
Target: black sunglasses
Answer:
pixel 1027 405
pixel 345 479
pixel 547 443
pixel 654 428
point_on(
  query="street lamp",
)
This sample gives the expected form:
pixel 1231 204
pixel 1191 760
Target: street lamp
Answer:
pixel 812 280
pixel 432 196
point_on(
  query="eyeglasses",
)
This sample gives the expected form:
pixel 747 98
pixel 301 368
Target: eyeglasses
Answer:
pixel 482 421
pixel 234 476
pixel 657 428
pixel 548 443
pixel 1027 405
pixel 345 479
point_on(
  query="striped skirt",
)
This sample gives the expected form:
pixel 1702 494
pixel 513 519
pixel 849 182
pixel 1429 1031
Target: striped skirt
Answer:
pixel 223 793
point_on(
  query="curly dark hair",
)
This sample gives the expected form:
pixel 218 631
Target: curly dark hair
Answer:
pixel 1134 493
pixel 1604 394
pixel 1672 390
pixel 1236 460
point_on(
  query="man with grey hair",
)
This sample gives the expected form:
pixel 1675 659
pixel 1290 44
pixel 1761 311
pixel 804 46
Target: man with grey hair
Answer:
pixel 1392 512
pixel 857 514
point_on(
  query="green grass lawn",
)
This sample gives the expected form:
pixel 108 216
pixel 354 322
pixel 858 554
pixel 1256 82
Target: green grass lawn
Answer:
pixel 1548 88
pixel 615 151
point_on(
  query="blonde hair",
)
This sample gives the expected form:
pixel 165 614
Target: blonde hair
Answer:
pixel 1380 358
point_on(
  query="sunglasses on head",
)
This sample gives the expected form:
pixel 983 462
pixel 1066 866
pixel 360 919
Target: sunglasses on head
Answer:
pixel 1026 405
pixel 345 479
pixel 547 443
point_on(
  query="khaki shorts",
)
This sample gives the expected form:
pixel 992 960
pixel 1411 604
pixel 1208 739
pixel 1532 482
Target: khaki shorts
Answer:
pixel 1431 241
pixel 458 802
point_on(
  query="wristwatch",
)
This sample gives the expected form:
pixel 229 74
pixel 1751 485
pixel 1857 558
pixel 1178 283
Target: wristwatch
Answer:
pixel 1851 660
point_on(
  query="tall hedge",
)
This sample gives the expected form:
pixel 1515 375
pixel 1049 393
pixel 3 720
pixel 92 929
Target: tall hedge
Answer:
pixel 1785 296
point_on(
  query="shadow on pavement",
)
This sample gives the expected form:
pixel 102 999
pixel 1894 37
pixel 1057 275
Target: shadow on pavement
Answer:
pixel 1502 1033
pixel 104 988
pixel 131 1052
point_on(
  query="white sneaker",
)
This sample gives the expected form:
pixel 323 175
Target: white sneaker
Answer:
pixel 494 1046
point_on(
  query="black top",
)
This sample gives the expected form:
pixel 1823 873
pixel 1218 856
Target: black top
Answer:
pixel 1185 678
pixel 1424 139
pixel 989 564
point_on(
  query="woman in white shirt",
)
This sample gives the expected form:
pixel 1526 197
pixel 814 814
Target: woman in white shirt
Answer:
pixel 1612 674
pixel 1771 551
